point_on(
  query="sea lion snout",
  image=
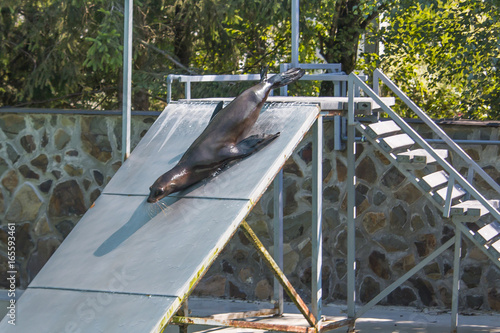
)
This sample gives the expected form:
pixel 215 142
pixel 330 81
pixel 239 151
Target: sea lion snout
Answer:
pixel 155 194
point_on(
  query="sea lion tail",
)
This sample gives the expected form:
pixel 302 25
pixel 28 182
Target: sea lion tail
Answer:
pixel 285 78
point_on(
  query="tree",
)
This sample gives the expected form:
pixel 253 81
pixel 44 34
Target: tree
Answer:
pixel 335 28
pixel 68 54
pixel 444 54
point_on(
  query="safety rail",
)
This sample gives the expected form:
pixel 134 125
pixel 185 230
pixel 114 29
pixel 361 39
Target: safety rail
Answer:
pixel 454 175
pixel 339 80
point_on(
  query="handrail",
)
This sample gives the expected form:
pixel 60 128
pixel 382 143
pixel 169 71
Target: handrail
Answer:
pixel 187 79
pixel 420 141
pixel 379 75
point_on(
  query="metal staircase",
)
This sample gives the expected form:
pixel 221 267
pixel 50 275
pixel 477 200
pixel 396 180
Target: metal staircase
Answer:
pixel 454 194
pixel 448 195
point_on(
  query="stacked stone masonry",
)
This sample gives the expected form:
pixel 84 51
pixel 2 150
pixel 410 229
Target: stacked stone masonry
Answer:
pixel 54 166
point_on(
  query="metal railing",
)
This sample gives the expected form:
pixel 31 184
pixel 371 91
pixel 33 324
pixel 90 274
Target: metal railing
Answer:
pixel 454 176
pixel 336 76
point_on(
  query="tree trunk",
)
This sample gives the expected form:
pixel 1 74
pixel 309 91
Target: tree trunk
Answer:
pixel 182 39
pixel 341 46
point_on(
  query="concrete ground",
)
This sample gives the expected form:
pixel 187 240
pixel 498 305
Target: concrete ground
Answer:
pixel 379 319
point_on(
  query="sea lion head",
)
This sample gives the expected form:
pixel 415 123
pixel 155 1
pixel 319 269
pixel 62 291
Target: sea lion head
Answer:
pixel 168 183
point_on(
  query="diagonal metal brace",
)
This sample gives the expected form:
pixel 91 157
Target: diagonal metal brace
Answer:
pixel 177 320
pixel 280 276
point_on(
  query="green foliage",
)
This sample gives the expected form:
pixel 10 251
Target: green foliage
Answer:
pixel 444 54
pixel 68 54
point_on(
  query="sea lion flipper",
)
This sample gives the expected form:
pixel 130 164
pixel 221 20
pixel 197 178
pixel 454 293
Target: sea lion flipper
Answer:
pixel 217 109
pixel 250 145
pixel 263 73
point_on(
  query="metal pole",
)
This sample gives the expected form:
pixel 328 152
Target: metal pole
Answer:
pixel 456 280
pixel 278 237
pixel 351 203
pixel 295 33
pixel 317 200
pixel 127 78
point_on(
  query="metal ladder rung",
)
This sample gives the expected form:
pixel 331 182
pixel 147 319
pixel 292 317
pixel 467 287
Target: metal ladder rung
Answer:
pixel 433 180
pixel 440 195
pixel 420 156
pixel 382 128
pixel 399 141
pixel 472 208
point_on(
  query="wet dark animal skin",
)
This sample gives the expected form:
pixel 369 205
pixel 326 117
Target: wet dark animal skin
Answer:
pixel 224 139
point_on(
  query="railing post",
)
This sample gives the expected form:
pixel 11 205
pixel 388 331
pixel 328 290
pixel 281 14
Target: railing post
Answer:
pixel 169 88
pixel 376 82
pixel 456 280
pixel 187 90
pixel 351 203
pixel 317 200
pixel 278 237
pixel 449 195
pixel 284 89
pixel 470 179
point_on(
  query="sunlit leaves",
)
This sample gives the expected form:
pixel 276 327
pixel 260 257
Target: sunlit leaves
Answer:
pixel 445 55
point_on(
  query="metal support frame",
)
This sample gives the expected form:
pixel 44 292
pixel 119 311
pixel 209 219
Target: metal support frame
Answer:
pixel 313 316
pixel 317 236
pixel 127 77
pixel 295 33
pixel 351 203
pixel 456 280
pixel 454 178
pixel 278 238
pixel 287 286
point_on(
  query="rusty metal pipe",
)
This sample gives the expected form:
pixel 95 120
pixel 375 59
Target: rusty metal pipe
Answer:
pixel 292 293
pixel 242 315
pixel 242 324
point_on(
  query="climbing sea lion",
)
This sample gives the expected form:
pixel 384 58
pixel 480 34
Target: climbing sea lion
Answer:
pixel 224 139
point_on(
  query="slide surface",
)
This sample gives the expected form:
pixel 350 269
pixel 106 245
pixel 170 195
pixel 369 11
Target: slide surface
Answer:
pixel 128 265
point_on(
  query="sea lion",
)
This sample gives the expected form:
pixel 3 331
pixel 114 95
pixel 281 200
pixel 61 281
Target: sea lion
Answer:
pixel 224 139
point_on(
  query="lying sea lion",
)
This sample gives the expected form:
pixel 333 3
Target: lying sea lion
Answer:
pixel 224 139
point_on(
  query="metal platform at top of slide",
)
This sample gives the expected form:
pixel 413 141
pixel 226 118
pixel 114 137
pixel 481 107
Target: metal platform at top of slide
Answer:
pixel 128 265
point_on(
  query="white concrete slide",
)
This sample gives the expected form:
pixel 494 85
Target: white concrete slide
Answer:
pixel 128 265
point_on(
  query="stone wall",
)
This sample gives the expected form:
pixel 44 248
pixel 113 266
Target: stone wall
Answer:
pixel 53 166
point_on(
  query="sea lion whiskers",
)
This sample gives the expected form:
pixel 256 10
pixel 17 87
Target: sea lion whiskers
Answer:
pixel 156 208
pixel 164 207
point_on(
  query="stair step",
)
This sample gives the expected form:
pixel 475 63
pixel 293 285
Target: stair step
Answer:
pixel 382 128
pixel 440 195
pixel 472 208
pixel 488 232
pixel 399 141
pixel 495 249
pixel 420 156
pixel 433 180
